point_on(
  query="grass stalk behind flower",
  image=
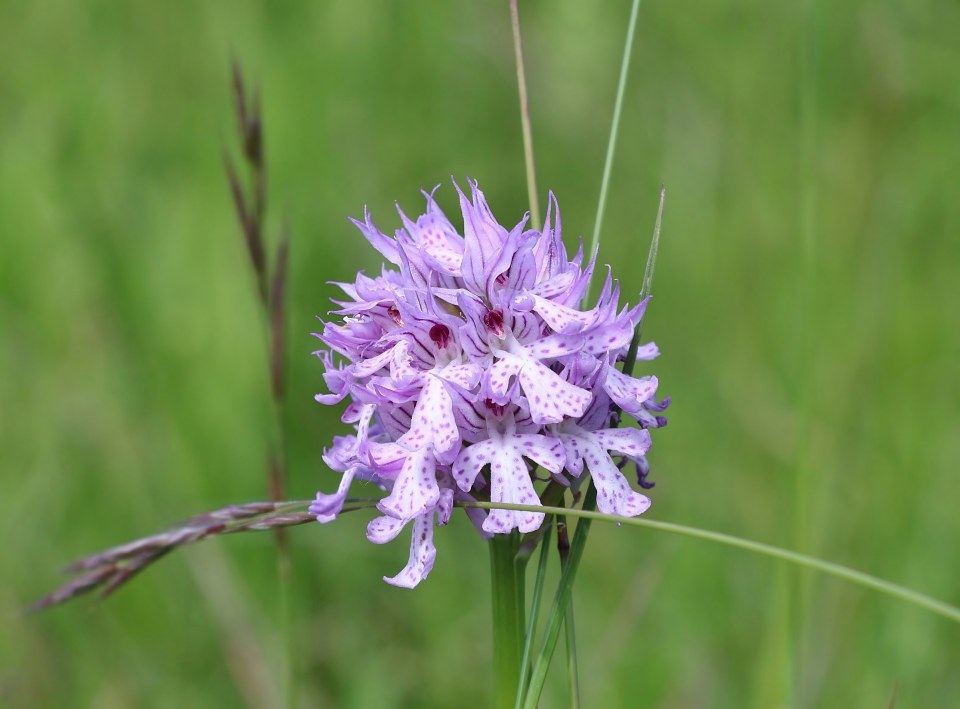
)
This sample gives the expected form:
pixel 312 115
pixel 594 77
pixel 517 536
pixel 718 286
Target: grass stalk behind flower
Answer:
pixel 562 599
pixel 531 632
pixel 612 139
pixel 528 161
pixel 573 672
pixel 251 209
pixel 569 569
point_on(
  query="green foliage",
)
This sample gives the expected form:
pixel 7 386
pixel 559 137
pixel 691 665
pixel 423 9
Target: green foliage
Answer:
pixel 134 391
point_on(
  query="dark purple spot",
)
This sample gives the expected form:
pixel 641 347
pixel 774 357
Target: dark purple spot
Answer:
pixel 394 314
pixel 493 319
pixel 440 334
pixel 496 409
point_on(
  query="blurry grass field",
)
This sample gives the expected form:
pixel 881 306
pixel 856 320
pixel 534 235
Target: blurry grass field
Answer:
pixel 806 305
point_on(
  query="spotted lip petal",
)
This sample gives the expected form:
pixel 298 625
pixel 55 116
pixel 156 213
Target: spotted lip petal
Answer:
pixel 468 361
pixel 505 453
pixel 433 422
pixel 416 488
pixel 629 393
pixel 423 554
pixel 614 495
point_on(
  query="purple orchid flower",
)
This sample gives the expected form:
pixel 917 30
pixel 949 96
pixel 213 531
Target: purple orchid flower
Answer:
pixel 467 363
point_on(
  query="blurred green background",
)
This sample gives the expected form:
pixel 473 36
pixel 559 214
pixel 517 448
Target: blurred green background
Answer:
pixel 806 304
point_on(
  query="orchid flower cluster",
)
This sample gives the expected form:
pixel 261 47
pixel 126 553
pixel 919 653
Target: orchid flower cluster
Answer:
pixel 467 363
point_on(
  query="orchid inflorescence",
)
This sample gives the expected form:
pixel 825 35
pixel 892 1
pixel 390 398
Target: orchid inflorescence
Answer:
pixel 467 363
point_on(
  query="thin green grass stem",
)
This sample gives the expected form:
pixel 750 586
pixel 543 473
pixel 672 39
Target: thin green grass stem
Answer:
pixel 531 633
pixel 561 600
pixel 525 118
pixel 647 286
pixel 573 672
pixel 915 598
pixel 612 140
pixel 795 596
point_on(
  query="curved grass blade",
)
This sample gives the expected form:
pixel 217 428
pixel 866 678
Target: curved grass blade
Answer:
pixel 830 568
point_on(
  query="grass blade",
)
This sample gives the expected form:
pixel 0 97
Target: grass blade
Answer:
pixel 830 568
pixel 573 672
pixel 614 129
pixel 534 612
pixel 525 118
pixel 562 601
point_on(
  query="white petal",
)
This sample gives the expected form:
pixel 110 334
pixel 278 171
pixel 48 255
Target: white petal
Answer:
pixel 465 375
pixel 633 442
pixel 445 506
pixel 416 488
pixel 572 446
pixel 422 554
pixel 381 530
pixel 470 461
pixel 614 495
pixel 629 392
pixel 499 383
pixel 433 423
pixel 610 337
pixel 545 450
pixel 555 346
pixel 648 351
pixel 327 507
pixel 511 483
pixel 373 365
pixel 550 397
pixel 561 318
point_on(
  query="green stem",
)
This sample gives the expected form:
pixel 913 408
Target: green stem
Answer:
pixel 508 599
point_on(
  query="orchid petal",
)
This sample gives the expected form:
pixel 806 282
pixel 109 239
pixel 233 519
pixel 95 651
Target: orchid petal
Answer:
pixel 511 483
pixel 423 553
pixel 326 507
pixel 415 490
pixel 629 393
pixel 550 397
pixel 633 442
pixel 614 495
pixel 381 530
pixel 470 461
